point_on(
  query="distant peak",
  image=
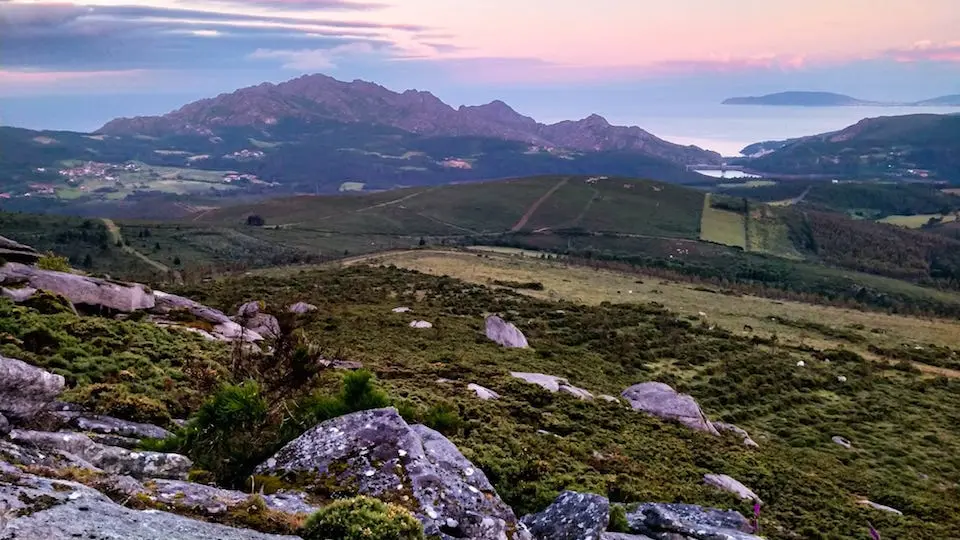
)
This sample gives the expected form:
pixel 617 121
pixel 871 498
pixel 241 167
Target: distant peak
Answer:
pixel 596 120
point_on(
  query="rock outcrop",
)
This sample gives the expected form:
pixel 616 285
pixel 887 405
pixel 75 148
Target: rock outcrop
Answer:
pixel 378 454
pixel 573 516
pixel 301 307
pixel 504 333
pixel 17 252
pixel 42 509
pixel 662 401
pixel 731 485
pixel 483 393
pixel 738 431
pixel 251 317
pixel 26 390
pixel 221 327
pixel 553 384
pixel 110 459
pixel 421 324
pixel 842 442
pixel 880 507
pixel 107 425
pixel 688 522
pixel 80 290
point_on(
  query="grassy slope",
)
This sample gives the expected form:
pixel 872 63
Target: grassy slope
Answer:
pixel 617 205
pixel 905 453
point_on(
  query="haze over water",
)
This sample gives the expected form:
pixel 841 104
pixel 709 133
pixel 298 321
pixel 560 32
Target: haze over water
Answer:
pixel 729 128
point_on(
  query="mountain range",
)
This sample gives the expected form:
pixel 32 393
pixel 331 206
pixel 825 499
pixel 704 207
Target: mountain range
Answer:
pixel 317 98
pixel 830 99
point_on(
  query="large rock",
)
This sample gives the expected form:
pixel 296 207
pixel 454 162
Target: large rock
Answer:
pixel 110 459
pixel 377 454
pixel 483 393
pixel 213 500
pixel 573 516
pixel 4 426
pixel 730 485
pixel 251 317
pixel 662 401
pixel 168 303
pixel 26 390
pixel 504 333
pixel 686 521
pixel 43 509
pixel 552 383
pixel 16 252
pixel 108 425
pixel 81 290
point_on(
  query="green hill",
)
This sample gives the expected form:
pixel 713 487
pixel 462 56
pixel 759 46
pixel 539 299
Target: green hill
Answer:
pixel 911 146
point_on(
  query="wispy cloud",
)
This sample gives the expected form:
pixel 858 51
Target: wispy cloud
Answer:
pixel 927 51
pixel 314 59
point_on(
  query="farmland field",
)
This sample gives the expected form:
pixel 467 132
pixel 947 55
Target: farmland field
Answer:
pixel 722 226
pixel 917 221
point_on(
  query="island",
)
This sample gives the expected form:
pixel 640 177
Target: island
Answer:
pixel 800 99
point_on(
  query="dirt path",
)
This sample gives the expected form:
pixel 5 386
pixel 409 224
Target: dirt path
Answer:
pixel 395 201
pixel 117 236
pixel 533 207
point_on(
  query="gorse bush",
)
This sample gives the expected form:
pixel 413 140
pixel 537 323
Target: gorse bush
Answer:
pixel 54 262
pixel 358 392
pixel 362 518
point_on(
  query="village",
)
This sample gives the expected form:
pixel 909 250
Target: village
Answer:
pixel 82 178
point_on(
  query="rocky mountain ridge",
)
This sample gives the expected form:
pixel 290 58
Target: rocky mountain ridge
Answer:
pixel 316 98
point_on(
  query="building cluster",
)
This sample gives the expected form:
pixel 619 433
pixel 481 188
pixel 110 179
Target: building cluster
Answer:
pixel 245 155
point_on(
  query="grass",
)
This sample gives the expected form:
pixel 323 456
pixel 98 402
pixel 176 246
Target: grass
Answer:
pixel 722 226
pixel 489 208
pixel 898 420
pixel 917 221
pixel 565 282
pixel 748 184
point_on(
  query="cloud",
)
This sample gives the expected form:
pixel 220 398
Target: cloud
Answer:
pixel 66 37
pixel 534 70
pixel 327 5
pixel 926 51
pixel 314 59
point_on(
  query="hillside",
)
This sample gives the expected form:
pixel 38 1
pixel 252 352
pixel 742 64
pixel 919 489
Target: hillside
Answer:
pixel 140 176
pixel 830 99
pixel 911 146
pixel 318 98
pixel 952 100
pixel 613 219
pixel 847 414
pixel 799 99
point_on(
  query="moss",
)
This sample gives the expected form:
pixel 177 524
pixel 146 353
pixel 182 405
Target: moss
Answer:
pixel 362 518
pixel 32 505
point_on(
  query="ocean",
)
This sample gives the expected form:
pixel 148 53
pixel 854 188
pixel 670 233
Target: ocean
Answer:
pixel 729 128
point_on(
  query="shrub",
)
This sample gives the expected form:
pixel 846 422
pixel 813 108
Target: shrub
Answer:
pixel 618 519
pixel 363 518
pixel 53 262
pixel 442 417
pixel 230 434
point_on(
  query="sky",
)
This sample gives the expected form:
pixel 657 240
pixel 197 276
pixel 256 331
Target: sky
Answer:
pixel 76 65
